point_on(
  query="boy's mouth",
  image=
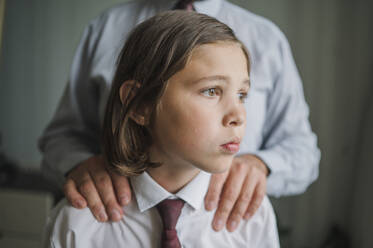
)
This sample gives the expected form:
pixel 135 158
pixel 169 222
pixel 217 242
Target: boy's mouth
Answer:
pixel 232 146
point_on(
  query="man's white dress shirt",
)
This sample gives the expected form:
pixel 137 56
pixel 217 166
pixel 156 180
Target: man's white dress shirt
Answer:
pixel 278 130
pixel 142 225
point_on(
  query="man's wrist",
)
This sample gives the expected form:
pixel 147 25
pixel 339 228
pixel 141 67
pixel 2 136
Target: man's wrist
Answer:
pixel 259 162
pixel 263 165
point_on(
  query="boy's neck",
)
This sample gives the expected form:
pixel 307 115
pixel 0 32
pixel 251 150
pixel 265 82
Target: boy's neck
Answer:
pixel 172 179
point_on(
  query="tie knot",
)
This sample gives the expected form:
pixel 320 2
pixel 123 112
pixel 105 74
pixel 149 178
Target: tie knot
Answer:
pixel 185 5
pixel 170 210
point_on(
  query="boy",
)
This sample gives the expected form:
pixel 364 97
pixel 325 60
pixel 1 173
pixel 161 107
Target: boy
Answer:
pixel 175 111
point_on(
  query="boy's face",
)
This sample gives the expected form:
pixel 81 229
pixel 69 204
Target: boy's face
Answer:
pixel 201 118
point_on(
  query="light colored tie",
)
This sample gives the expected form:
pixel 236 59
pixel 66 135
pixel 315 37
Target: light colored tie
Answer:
pixel 170 210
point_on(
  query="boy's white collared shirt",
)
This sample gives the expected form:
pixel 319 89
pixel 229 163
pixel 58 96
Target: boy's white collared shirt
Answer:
pixel 141 226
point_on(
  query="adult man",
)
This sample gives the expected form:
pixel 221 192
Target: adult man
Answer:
pixel 279 142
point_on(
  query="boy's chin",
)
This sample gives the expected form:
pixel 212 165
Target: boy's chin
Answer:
pixel 218 166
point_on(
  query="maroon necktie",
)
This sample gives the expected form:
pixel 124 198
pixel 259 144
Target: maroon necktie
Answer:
pixel 170 210
pixel 185 4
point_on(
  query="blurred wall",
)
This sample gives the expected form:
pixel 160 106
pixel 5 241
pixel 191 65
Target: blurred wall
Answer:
pixel 39 41
pixel 332 45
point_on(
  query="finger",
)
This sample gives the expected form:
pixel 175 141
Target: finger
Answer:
pixel 88 190
pixel 104 187
pixel 242 203
pixel 122 188
pixel 213 194
pixel 72 194
pixel 229 196
pixel 257 199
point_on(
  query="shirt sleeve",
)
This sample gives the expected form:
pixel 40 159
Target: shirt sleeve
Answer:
pixel 73 134
pixel 289 146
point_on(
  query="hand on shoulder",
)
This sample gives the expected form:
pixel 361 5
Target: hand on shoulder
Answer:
pixel 238 192
pixel 92 184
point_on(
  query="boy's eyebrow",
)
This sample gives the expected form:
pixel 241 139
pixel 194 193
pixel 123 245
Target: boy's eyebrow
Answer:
pixel 218 78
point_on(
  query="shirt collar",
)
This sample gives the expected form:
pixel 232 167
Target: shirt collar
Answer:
pixel 149 193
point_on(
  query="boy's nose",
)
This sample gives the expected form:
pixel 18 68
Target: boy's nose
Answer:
pixel 235 117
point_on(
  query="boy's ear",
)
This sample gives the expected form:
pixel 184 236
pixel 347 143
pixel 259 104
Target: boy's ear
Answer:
pixel 128 90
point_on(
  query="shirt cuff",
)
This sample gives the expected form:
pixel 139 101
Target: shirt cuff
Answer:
pixel 277 167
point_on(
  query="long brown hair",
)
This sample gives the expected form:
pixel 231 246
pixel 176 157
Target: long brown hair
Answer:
pixel 155 50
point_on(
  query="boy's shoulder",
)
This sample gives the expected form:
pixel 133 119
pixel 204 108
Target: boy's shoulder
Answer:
pixel 71 227
pixel 259 231
pixel 262 226
pixel 71 218
pixel 265 211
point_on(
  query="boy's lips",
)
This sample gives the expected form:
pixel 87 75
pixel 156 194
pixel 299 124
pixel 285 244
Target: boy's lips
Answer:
pixel 232 146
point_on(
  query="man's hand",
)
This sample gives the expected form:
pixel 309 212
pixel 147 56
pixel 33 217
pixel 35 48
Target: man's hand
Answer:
pixel 91 183
pixel 241 191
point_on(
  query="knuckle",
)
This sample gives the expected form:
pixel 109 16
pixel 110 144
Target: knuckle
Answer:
pixel 70 196
pixel 224 211
pixel 209 198
pixel 254 206
pixel 238 211
pixel 102 181
pixel 240 167
pixel 110 204
pixel 237 214
pixel 245 199
pixel 85 188
pixel 229 198
pixel 213 193
pixel 121 192
pixel 116 178
pixel 96 207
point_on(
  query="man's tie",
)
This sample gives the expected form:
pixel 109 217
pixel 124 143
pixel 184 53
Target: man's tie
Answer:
pixel 170 210
pixel 185 4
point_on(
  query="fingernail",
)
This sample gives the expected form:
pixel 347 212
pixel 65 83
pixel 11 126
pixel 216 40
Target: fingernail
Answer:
pixel 232 225
pixel 219 224
pixel 124 200
pixel 102 216
pixel 115 215
pixel 210 205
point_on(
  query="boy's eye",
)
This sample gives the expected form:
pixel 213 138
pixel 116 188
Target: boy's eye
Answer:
pixel 242 96
pixel 210 92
